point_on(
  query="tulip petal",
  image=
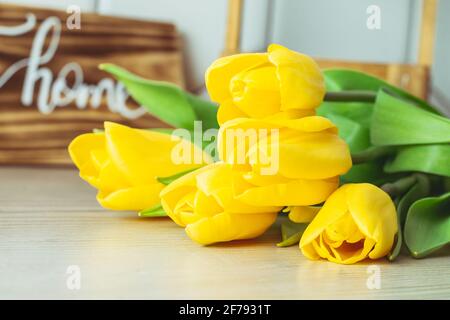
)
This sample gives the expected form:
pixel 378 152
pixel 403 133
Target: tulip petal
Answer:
pixel 219 74
pixel 186 202
pixel 320 248
pixel 303 214
pixel 292 114
pixel 188 180
pixel 215 178
pixel 357 221
pixel 257 179
pixel 301 81
pixel 81 151
pixel 349 253
pixel 80 148
pixel 295 193
pixel 334 208
pixel 227 227
pixel 304 125
pixel 222 182
pixel 206 205
pixel 309 124
pixel 309 251
pixel 134 198
pixel 308 156
pixel 341 229
pixel 111 179
pixel 356 236
pixel 186 209
pixel 172 194
pixel 331 243
pixel 374 212
pixel 288 146
pixel 99 158
pixel 256 91
pixel 228 111
pixel 142 155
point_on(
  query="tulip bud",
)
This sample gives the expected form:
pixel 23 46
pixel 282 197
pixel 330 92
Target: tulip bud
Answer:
pixel 204 202
pixel 124 164
pixel 358 221
pixel 260 85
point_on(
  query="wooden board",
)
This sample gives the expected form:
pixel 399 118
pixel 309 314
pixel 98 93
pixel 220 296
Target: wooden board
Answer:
pixel 412 78
pixel 35 61
pixel 54 222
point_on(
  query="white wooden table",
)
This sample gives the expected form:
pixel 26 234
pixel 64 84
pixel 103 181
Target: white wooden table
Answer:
pixel 49 221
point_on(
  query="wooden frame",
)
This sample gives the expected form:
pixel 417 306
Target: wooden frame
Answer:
pixel 412 77
pixel 233 27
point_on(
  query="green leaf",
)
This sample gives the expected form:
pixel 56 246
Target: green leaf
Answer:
pixel 427 226
pixel 372 153
pixel 291 233
pixel 162 130
pixel 432 159
pixel 355 133
pixel 168 180
pixel 156 211
pixel 205 111
pixel 369 122
pixel 166 101
pixel 446 185
pixel 353 120
pixel 396 249
pixel 344 80
pixel 419 190
pixel 397 121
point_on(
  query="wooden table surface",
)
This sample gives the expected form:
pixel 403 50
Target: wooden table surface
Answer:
pixel 49 221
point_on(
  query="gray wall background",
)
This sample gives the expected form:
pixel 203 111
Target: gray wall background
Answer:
pixel 322 28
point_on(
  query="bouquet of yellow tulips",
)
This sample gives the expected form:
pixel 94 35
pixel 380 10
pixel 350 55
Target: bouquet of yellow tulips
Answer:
pixel 356 168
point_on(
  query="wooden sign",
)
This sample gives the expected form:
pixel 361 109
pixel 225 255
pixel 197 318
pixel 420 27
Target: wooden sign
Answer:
pixel 51 89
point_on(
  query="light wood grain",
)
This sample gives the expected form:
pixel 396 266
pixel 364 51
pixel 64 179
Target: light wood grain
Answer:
pixel 49 220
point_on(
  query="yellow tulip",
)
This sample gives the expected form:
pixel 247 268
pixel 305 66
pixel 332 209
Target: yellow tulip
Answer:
pixel 294 162
pixel 357 221
pixel 204 202
pixel 302 214
pixel 124 163
pixel 258 85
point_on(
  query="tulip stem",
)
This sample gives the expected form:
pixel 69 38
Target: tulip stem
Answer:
pixel 400 186
pixel 351 96
pixel 371 154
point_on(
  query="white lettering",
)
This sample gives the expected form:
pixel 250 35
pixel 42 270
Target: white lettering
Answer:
pixel 55 92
